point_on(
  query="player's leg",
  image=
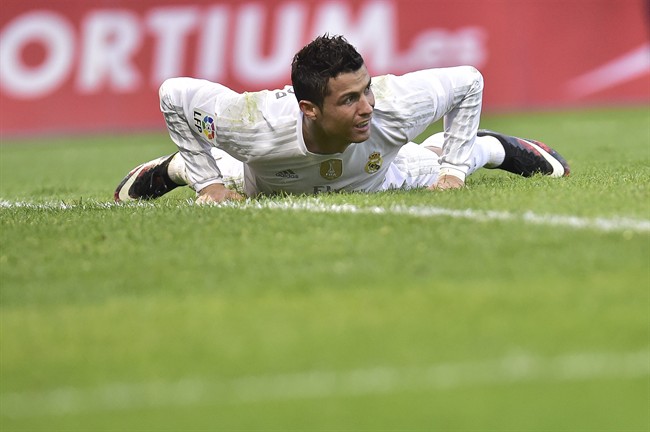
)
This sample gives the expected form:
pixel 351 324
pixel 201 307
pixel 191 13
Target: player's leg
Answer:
pixel 155 178
pixel 418 165
pixel 414 166
pixel 147 181
pixel 525 157
pixel 231 170
pixel 522 156
pixel 487 152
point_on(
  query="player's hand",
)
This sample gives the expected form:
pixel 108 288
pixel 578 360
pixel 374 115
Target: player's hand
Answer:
pixel 216 193
pixel 446 182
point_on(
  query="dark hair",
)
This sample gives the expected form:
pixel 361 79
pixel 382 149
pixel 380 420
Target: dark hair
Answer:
pixel 323 58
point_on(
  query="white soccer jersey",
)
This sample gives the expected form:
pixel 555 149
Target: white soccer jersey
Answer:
pixel 263 130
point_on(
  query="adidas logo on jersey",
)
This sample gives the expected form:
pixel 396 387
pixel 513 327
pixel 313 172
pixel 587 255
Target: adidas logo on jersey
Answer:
pixel 287 174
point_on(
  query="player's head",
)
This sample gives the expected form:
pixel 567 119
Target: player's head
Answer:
pixel 332 86
pixel 323 58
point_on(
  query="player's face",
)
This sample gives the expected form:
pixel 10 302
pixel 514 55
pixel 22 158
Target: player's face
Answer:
pixel 347 109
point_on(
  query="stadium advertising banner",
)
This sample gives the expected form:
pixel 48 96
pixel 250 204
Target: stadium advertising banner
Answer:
pixel 96 65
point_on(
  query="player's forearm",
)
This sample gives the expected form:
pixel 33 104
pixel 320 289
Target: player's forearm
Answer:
pixel 447 170
pixel 201 168
pixel 216 193
pixel 462 123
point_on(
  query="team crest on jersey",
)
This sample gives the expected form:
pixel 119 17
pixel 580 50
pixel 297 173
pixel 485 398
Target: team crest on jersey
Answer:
pixel 204 123
pixel 374 162
pixel 331 169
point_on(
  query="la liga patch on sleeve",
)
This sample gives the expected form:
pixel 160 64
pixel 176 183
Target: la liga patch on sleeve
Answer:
pixel 205 125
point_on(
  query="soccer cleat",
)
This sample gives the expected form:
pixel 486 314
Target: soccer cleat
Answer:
pixel 528 157
pixel 147 181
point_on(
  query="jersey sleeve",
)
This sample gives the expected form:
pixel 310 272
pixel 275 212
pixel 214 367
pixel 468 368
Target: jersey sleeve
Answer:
pixel 188 108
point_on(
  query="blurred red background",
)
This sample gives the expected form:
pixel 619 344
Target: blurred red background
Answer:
pixel 95 65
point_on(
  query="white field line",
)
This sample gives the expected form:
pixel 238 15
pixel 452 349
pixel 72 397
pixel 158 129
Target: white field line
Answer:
pixel 575 222
pixel 197 391
pixel 603 224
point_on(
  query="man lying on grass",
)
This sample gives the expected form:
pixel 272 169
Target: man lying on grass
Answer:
pixel 335 129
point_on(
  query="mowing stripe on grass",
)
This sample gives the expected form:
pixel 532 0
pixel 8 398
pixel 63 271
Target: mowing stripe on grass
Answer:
pixel 603 224
pixel 509 370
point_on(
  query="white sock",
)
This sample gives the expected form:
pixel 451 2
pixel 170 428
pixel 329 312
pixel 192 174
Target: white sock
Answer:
pixel 176 170
pixel 495 152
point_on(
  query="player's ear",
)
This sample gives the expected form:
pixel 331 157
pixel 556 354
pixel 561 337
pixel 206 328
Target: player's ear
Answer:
pixel 309 109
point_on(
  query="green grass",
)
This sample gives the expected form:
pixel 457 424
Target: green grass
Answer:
pixel 171 316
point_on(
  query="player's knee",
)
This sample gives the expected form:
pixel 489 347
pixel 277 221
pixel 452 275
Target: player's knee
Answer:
pixel 435 142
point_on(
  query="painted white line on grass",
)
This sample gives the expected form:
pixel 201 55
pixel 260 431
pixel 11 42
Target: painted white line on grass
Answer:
pixel 575 222
pixel 509 370
pixel 61 205
pixel 603 224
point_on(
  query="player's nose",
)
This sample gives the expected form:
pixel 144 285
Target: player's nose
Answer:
pixel 367 104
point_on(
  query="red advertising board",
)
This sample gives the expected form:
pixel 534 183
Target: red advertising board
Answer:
pixel 93 65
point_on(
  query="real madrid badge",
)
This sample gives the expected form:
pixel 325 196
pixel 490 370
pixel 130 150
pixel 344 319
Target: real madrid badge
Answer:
pixel 374 162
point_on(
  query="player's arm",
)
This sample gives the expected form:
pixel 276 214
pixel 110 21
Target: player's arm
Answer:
pixel 191 129
pixel 462 109
pixel 452 94
pixel 447 181
pixel 215 193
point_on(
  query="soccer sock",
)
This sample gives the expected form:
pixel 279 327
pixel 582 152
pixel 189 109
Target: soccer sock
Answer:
pixel 494 150
pixel 176 170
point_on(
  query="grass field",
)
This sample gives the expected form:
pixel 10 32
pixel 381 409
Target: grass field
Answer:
pixel 512 305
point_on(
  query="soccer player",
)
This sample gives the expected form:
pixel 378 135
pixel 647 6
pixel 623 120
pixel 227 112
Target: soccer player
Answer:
pixel 335 129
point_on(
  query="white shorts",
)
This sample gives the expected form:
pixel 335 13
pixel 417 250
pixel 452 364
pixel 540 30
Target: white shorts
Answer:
pixel 414 167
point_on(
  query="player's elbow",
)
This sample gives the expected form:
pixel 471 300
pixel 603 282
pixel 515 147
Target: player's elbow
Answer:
pixel 474 78
pixel 477 77
pixel 166 86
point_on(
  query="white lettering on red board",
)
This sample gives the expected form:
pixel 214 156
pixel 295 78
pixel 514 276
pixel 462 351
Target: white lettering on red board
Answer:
pixel 57 37
pixel 111 40
pixel 100 53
